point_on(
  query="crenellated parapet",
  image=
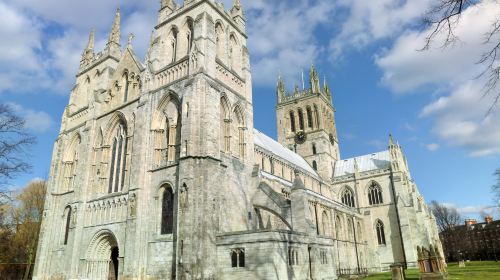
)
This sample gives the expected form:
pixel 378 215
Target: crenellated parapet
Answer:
pixel 314 89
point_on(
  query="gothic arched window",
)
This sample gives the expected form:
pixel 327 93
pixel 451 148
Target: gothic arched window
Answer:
pixel 359 232
pixel 380 232
pixel 326 223
pixel 350 234
pixel 375 194
pixel 125 82
pixel 292 121
pixel 309 117
pixel 314 149
pixel 316 116
pixel 173 43
pixel 67 225
pixel 118 160
pixel 220 42
pixel 348 197
pixel 301 120
pixel 225 125
pixel 338 228
pixel 190 34
pixel 239 129
pixel 315 165
pixel 167 211
pixel 70 161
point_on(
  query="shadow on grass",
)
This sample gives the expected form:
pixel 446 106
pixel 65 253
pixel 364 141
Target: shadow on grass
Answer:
pixel 472 271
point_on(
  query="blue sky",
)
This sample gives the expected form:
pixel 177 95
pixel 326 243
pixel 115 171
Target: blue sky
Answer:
pixel 367 50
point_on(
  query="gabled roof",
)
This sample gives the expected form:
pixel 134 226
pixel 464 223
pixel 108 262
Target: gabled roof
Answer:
pixel 267 143
pixel 380 160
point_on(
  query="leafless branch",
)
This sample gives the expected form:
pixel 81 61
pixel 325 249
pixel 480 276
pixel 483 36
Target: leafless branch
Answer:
pixel 443 18
pixel 14 144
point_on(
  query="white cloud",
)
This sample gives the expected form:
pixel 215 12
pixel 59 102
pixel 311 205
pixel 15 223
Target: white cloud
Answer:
pixel 283 39
pixel 38 121
pixel 369 21
pixel 432 147
pixel 459 113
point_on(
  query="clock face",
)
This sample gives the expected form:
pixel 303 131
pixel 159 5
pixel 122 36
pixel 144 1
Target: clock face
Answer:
pixel 300 137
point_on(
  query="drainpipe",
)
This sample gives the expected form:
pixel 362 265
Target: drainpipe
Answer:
pixel 398 219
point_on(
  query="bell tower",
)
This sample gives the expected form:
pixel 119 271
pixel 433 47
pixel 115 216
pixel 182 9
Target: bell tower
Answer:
pixel 306 123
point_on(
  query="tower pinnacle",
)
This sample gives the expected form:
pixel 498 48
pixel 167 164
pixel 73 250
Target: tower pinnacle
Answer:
pixel 167 4
pixel 88 52
pixel 280 89
pixel 238 14
pixel 113 45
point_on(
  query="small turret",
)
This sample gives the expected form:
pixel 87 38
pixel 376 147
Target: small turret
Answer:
pixel 167 4
pixel 113 45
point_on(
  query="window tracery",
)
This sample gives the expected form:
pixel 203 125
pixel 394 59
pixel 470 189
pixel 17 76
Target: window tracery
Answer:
pixel 375 194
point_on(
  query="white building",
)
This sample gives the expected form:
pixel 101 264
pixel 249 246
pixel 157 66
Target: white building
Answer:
pixel 158 172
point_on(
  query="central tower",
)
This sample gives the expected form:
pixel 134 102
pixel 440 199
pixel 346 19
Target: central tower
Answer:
pixel 306 123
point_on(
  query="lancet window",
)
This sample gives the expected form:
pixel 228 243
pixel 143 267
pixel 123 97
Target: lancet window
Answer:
pixel 309 117
pixel 292 121
pixel 375 194
pixel 379 227
pixel 301 119
pixel 238 257
pixel 70 161
pixel 118 159
pixel 165 132
pixel 167 210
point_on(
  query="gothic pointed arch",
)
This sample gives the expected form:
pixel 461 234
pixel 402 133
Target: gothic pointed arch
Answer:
pixel 225 124
pixel 338 227
pixel 165 128
pixel 325 221
pixel 172 43
pixel 239 130
pixel 380 231
pixel 220 40
pixel 114 154
pixel 374 193
pixel 67 223
pixel 166 198
pixel 70 161
pixel 235 53
pixel 347 197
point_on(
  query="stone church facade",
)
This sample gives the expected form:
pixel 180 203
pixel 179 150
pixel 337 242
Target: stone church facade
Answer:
pixel 158 172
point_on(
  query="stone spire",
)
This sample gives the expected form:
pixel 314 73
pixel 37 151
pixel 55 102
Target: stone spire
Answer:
pixel 113 45
pixel 314 80
pixel 88 53
pixel 280 89
pixel 326 89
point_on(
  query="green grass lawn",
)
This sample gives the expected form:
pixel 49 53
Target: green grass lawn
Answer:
pixel 471 271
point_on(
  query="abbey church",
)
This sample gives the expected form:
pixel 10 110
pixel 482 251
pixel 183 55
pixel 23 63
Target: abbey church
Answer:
pixel 159 173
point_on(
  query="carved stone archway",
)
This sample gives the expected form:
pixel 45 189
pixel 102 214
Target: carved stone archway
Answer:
pixel 102 258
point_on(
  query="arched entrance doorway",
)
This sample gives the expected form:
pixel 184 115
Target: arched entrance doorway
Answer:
pixel 103 254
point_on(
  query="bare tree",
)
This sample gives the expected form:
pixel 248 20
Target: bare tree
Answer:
pixel 496 187
pixel 444 17
pixel 14 142
pixel 447 217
